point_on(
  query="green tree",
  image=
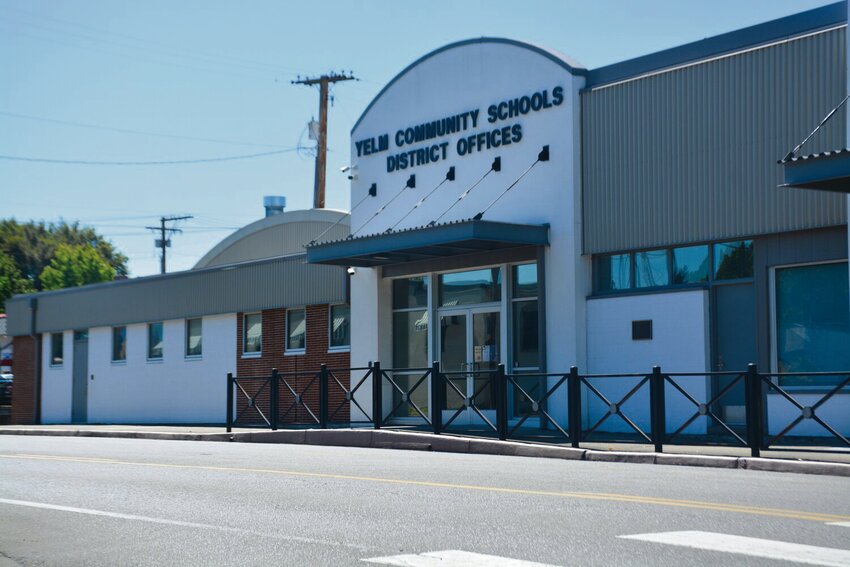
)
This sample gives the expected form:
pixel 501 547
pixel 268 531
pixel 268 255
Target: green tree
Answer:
pixel 32 246
pixel 11 280
pixel 73 266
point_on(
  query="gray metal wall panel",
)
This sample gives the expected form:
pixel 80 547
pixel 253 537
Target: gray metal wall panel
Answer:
pixel 245 287
pixel 690 155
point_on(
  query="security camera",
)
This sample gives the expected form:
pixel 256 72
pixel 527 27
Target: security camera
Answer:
pixel 351 270
pixel 351 170
pixel 345 168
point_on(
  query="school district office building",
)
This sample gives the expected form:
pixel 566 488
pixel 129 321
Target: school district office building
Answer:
pixel 157 349
pixel 511 206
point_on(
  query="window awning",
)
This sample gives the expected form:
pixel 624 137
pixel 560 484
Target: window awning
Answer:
pixel 429 242
pixel 827 171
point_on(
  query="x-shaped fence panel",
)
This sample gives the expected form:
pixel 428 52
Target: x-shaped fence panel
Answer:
pixel 404 395
pixel 538 404
pixel 251 393
pixel 470 402
pixel 614 409
pixel 333 378
pixel 806 411
pixel 704 409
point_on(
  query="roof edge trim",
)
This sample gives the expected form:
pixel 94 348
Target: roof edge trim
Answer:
pixel 729 42
pixel 572 66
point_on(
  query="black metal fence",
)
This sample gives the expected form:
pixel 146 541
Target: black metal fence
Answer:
pixel 654 408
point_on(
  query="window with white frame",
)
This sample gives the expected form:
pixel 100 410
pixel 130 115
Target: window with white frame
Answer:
pixel 340 327
pixel 194 337
pixel 296 330
pixel 252 334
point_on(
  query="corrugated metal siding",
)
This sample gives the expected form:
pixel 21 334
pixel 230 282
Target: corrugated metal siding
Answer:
pixel 690 155
pixel 252 286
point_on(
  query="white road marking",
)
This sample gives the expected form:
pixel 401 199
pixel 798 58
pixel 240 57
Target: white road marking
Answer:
pixel 453 558
pixel 754 547
pixel 842 524
pixel 117 515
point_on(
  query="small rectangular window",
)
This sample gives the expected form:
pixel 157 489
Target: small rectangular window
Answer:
pixel 733 260
pixel 194 338
pixel 119 344
pixel 613 272
pixel 340 326
pixel 690 264
pixel 253 333
pixel 525 281
pixel 474 286
pixel 56 349
pixel 651 269
pixel 155 341
pixel 296 329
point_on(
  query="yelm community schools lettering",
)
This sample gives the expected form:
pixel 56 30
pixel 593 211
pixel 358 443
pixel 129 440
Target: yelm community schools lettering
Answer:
pixel 458 123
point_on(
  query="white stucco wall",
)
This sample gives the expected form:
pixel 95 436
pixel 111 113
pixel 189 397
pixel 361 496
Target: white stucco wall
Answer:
pixel 680 343
pixel 57 381
pixel 174 390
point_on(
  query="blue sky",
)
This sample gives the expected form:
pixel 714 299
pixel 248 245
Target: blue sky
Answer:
pixel 212 78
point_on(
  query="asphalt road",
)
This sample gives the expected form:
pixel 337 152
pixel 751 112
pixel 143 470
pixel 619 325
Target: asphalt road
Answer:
pixel 82 501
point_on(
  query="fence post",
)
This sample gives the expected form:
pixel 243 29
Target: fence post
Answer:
pixel 755 417
pixel 436 402
pixel 574 406
pixel 501 402
pixel 229 402
pixel 273 400
pixel 656 407
pixel 323 396
pixel 377 395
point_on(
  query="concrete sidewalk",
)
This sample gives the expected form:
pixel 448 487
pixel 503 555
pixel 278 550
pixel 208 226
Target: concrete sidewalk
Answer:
pixel 834 463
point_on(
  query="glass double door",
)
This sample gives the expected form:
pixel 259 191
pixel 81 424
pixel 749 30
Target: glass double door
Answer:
pixel 470 352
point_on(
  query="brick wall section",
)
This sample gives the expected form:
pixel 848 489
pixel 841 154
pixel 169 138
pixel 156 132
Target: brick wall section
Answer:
pixel 300 370
pixel 23 388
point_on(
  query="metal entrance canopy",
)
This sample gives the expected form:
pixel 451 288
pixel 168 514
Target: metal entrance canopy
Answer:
pixel 827 171
pixel 428 242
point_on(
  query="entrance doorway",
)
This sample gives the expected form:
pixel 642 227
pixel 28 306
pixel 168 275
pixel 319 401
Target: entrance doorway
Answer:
pixel 469 346
pixel 80 388
pixel 735 345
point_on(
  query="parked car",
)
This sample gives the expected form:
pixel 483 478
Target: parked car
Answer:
pixel 6 389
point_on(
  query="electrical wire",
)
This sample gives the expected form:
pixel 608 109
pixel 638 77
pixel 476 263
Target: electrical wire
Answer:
pixel 144 163
pixel 138 132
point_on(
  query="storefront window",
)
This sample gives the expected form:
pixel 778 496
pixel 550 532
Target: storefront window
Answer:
pixel 475 286
pixel 651 269
pixel 525 330
pixel 812 322
pixel 690 264
pixel 733 260
pixel 410 292
pixel 613 272
pixel 410 339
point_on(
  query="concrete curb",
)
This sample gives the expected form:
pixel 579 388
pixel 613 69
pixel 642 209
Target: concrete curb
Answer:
pixel 414 441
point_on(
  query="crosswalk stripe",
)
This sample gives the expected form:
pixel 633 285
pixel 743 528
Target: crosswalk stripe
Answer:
pixel 452 558
pixel 842 524
pixel 754 547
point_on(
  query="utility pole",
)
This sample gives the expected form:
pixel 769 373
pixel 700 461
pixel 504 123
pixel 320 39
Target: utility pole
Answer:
pixel 162 242
pixel 322 142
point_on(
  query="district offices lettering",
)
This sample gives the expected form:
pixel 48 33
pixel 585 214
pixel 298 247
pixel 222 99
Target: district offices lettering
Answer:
pixel 462 122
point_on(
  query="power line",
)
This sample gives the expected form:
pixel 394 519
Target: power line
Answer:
pixel 138 132
pixel 160 162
